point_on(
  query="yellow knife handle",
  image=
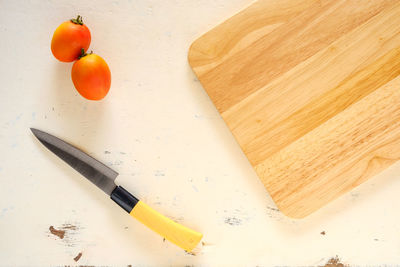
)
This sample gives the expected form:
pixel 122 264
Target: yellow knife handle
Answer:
pixel 176 233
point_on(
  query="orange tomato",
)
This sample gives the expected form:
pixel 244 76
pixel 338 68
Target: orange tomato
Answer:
pixel 91 77
pixel 69 38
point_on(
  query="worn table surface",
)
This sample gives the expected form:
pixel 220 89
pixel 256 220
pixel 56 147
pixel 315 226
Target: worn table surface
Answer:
pixel 160 131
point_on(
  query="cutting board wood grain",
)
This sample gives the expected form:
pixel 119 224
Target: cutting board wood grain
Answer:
pixel 310 90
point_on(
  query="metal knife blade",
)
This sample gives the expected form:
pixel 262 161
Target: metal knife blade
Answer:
pixel 95 171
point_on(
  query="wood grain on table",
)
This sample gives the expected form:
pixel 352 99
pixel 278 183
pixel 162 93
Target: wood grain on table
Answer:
pixel 310 90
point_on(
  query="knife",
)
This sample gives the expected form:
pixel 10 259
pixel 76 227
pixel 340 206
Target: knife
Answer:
pixel 103 177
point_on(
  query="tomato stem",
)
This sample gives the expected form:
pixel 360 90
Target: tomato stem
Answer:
pixel 83 53
pixel 78 20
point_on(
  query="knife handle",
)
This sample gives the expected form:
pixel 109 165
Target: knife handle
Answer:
pixel 176 233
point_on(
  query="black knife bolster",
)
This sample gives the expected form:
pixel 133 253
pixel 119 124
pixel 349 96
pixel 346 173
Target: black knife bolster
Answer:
pixel 123 198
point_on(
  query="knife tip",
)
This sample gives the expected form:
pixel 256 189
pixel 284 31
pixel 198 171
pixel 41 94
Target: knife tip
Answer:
pixel 34 131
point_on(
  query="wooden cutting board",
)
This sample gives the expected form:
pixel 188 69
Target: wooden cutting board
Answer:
pixel 311 91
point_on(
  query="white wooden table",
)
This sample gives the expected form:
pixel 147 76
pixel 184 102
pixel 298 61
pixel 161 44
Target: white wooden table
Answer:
pixel 159 130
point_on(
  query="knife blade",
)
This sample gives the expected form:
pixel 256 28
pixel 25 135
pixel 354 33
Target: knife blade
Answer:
pixel 104 178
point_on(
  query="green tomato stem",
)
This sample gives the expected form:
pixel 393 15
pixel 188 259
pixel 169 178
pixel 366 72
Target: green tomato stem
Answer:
pixel 83 53
pixel 78 20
